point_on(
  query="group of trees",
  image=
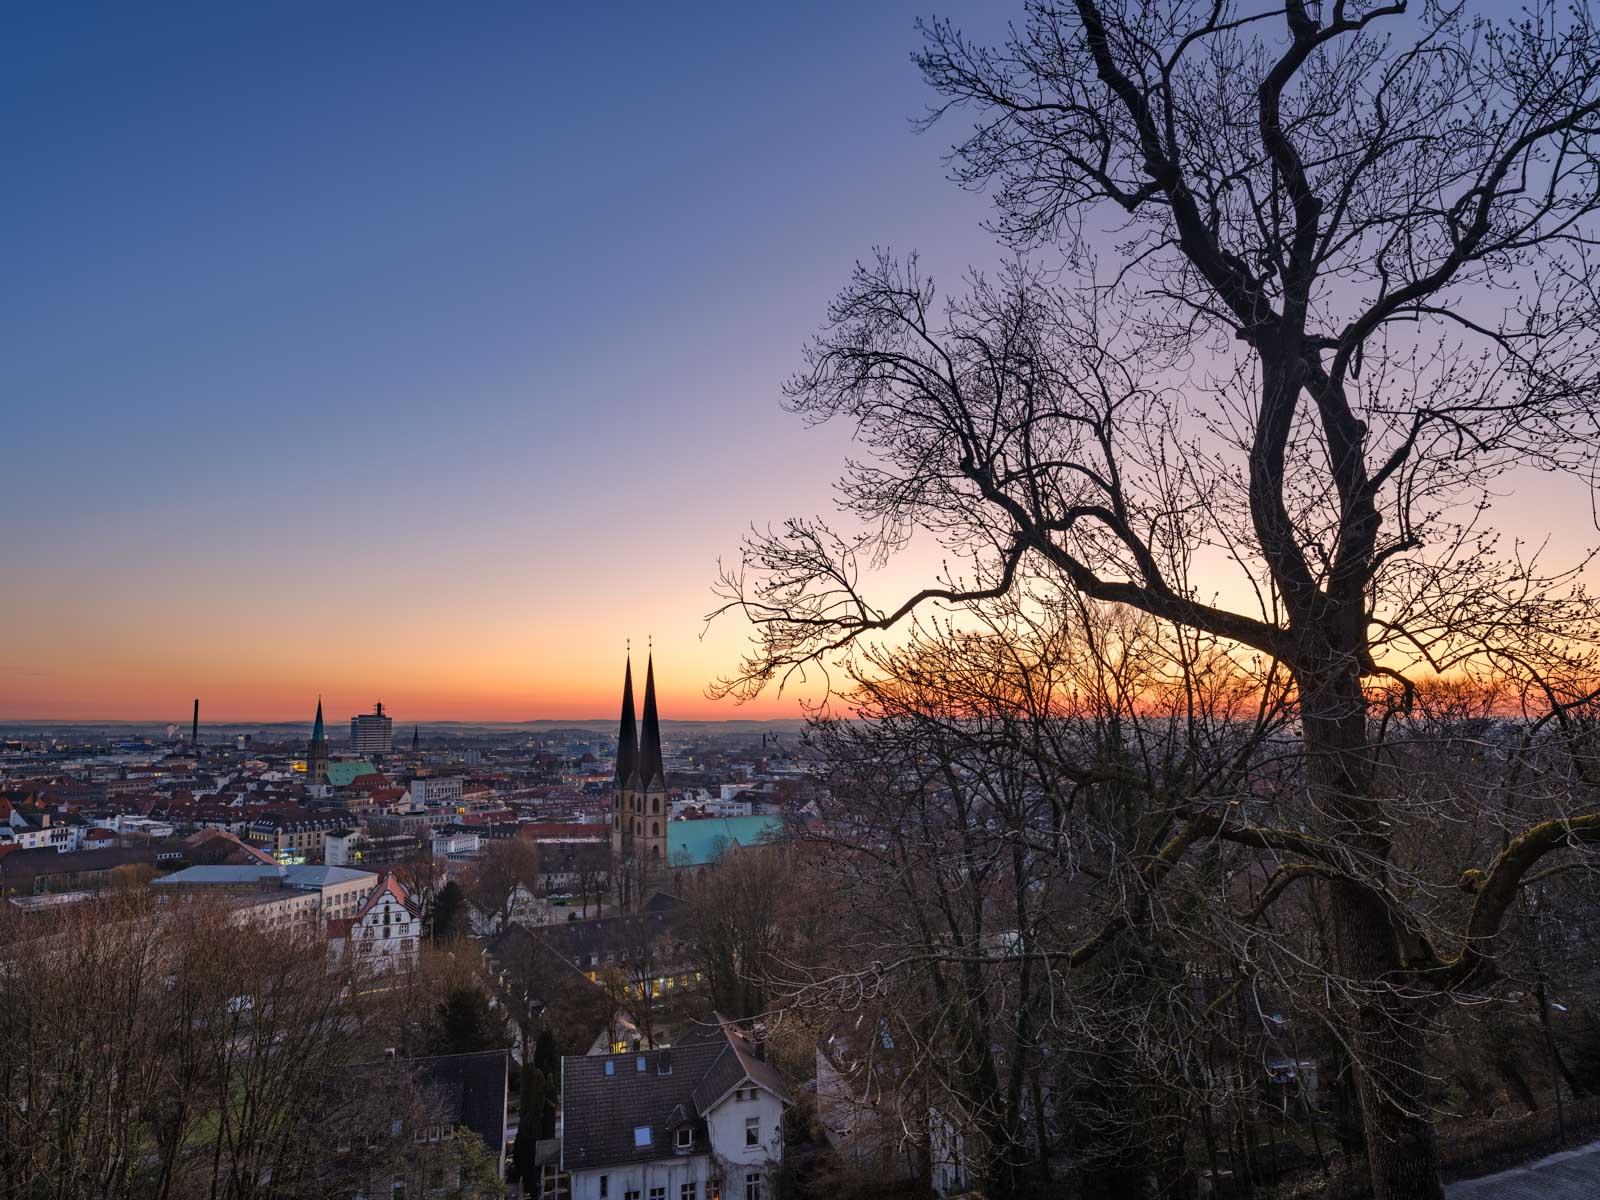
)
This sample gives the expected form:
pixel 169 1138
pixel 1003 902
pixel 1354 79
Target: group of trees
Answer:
pixel 1229 686
pixel 174 1052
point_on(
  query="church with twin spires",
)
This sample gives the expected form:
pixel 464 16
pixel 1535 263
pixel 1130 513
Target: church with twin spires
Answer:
pixel 639 792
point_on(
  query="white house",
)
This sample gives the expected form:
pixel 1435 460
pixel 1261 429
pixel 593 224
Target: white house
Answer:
pixel 385 931
pixel 702 1120
pixel 456 842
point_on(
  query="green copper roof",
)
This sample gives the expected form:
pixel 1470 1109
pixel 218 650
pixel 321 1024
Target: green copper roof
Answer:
pixel 695 843
pixel 344 773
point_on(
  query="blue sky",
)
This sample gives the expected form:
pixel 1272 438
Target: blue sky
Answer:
pixel 429 350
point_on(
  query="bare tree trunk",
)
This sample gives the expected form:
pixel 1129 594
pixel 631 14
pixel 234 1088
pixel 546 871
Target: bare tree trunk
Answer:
pixel 1385 1030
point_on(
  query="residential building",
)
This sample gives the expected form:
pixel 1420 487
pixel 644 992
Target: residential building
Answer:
pixel 459 1092
pixel 339 891
pixel 456 842
pixel 384 932
pixel 436 789
pixel 702 1120
pixel 293 836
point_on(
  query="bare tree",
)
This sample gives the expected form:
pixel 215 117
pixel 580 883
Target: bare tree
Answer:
pixel 508 871
pixel 731 923
pixel 1351 295
pixel 169 1051
pixel 423 875
pixel 992 850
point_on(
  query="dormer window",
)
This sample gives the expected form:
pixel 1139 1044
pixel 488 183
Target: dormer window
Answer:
pixel 685 1138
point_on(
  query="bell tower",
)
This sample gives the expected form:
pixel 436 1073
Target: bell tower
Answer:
pixel 622 816
pixel 638 793
pixel 650 834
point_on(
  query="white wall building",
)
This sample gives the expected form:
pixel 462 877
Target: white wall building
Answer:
pixel 384 933
pixel 702 1120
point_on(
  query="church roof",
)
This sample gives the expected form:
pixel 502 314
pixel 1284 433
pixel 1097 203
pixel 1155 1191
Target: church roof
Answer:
pixel 695 843
pixel 317 734
pixel 346 771
pixel 651 772
pixel 627 732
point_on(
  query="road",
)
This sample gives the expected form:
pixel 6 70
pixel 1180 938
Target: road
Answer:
pixel 1570 1175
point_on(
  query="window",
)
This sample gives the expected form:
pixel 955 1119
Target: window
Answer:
pixel 631 1194
pixel 641 1135
pixel 752 1131
pixel 689 1191
pixel 605 1186
pixel 611 1067
pixel 685 1138
pixel 659 1193
pixel 752 1185
pixel 639 1064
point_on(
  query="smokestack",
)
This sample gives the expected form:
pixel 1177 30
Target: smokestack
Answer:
pixel 194 733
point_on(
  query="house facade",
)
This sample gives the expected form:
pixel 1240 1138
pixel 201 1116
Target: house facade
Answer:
pixel 384 933
pixel 698 1121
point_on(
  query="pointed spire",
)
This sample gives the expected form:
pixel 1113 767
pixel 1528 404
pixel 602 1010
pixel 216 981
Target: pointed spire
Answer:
pixel 413 739
pixel 651 771
pixel 627 731
pixel 316 730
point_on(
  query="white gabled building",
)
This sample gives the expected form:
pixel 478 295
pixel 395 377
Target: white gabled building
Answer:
pixel 384 933
pixel 702 1120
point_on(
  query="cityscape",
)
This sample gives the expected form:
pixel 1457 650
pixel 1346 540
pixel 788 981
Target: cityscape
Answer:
pixel 812 602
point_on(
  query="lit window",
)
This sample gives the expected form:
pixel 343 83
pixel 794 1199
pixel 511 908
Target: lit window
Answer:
pixel 611 1067
pixel 641 1135
pixel 639 1063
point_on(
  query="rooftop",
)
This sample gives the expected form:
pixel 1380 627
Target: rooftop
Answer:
pixel 695 843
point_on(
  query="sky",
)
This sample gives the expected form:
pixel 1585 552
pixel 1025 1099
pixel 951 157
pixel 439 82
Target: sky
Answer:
pixel 429 353
pixel 425 353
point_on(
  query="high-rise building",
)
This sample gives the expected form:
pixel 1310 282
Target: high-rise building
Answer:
pixel 373 732
pixel 317 752
pixel 639 791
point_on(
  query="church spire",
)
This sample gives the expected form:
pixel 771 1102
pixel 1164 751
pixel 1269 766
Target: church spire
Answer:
pixel 651 772
pixel 317 751
pixel 627 731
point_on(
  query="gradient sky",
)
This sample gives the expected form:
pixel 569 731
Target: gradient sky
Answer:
pixel 426 353
pixel 423 353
